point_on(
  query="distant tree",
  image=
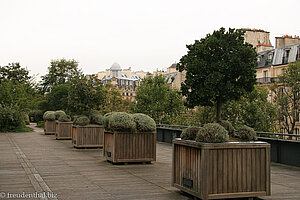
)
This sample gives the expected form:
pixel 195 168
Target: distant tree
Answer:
pixel 253 109
pixel 287 97
pixel 57 99
pixel 17 87
pixel 219 68
pixel 157 99
pixel 85 95
pixel 113 101
pixel 60 72
pixel 14 72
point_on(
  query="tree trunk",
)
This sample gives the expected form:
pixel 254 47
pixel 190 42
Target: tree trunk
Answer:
pixel 219 108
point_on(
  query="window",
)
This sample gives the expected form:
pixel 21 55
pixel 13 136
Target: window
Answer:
pixel 297 116
pixel 297 131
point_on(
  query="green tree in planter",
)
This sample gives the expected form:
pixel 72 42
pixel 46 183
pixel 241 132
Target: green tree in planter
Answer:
pixel 219 68
pixel 157 99
pixel 85 95
pixel 60 72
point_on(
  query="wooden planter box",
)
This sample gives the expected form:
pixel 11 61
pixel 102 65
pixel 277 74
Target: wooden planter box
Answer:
pixel 49 127
pixel 221 170
pixel 64 130
pixel 129 147
pixel 87 136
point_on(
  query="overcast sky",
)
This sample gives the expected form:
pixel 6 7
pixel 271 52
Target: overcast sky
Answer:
pixel 143 35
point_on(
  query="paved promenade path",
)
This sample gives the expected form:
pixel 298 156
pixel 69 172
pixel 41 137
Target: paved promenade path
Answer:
pixel 35 164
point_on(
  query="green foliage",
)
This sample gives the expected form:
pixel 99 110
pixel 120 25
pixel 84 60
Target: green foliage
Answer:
pixel 59 113
pixel 11 118
pixel 287 97
pixel 106 119
pixel 35 115
pixel 219 68
pixel 190 133
pixel 82 121
pixel 64 118
pixel 57 99
pixel 50 116
pixel 97 119
pixel 212 133
pixel 14 72
pixel 121 121
pixel 40 124
pixel 158 100
pixel 17 88
pixel 85 95
pixel 246 133
pixel 26 119
pixel 144 123
pixel 228 126
pixel 113 100
pixel 47 112
pixel 60 72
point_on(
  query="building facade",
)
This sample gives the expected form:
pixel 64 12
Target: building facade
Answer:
pixel 271 64
pixel 125 81
pixel 259 39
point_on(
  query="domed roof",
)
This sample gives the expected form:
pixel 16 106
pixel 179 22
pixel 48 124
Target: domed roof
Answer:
pixel 115 66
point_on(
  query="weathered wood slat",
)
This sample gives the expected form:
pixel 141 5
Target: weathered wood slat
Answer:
pixel 129 147
pixel 87 136
pixel 64 130
pixel 49 127
pixel 220 170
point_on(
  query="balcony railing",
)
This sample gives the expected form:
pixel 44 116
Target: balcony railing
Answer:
pixel 267 80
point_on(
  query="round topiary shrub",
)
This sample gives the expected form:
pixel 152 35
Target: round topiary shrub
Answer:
pixel 59 113
pixel 106 119
pixel 246 133
pixel 144 123
pixel 50 116
pixel 228 126
pixel 64 118
pixel 212 133
pixel 121 121
pixel 97 119
pixel 82 121
pixel 190 133
pixel 47 113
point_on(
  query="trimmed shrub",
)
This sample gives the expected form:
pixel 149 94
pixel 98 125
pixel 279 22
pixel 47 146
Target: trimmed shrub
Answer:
pixel 45 113
pixel 106 119
pixel 64 118
pixel 26 119
pixel 11 118
pixel 121 121
pixel 82 121
pixel 59 113
pixel 228 126
pixel 212 133
pixel 144 123
pixel 246 133
pixel 50 116
pixel 190 133
pixel 97 119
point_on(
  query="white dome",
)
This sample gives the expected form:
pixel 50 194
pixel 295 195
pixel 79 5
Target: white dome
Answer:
pixel 115 66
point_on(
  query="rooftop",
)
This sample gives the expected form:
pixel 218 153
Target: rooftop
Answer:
pixel 33 162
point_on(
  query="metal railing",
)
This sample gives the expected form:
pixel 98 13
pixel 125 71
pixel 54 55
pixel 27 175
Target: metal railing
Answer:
pixel 266 80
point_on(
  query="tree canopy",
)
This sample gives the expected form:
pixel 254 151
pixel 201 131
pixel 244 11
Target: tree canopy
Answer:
pixel 219 68
pixel 14 72
pixel 60 72
pixel 157 99
pixel 287 97
pixel 85 95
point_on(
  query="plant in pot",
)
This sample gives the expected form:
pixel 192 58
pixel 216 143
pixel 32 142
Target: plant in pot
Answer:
pixel 64 127
pixel 129 138
pixel 208 165
pixel 49 123
pixel 88 133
